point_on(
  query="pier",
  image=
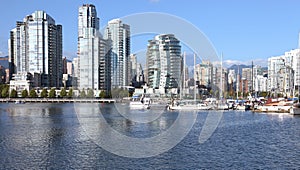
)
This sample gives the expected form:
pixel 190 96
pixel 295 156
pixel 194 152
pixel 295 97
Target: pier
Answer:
pixel 56 100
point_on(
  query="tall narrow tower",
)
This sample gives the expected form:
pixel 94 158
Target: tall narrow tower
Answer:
pixel 119 34
pixel 93 52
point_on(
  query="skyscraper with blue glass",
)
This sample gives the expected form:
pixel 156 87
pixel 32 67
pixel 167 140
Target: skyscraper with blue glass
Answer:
pixel 35 46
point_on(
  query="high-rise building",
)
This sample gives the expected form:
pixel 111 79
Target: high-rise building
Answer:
pixel 133 67
pixel 75 72
pixel 247 75
pixel 164 62
pixel 64 65
pixel 35 46
pixel 204 73
pixel 70 68
pixel 283 72
pixel 275 74
pixel 75 67
pixel 93 51
pixel 260 83
pixel 136 72
pixel 119 34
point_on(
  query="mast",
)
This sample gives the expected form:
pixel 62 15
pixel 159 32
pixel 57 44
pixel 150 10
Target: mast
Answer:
pixel 194 76
pixel 221 82
pixel 184 62
pixel 252 81
pixel 237 83
pixel 296 72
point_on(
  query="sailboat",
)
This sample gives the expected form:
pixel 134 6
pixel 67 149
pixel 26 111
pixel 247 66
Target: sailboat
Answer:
pixel 189 104
pixel 221 104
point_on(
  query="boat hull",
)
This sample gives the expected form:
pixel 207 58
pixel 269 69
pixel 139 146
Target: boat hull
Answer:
pixel 276 109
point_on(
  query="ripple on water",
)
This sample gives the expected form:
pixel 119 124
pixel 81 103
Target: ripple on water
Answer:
pixel 49 136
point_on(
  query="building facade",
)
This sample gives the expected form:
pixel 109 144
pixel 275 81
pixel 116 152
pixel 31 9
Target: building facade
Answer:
pixel 283 73
pixel 119 35
pixel 204 73
pixel 164 62
pixel 136 72
pixel 93 52
pixel 35 46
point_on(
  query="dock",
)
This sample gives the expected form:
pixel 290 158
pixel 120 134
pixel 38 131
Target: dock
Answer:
pixel 57 100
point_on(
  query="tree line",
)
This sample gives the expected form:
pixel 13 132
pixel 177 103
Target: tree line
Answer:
pixel 89 93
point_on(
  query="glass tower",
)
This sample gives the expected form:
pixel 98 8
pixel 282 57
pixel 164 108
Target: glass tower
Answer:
pixel 35 46
pixel 93 51
pixel 163 63
pixel 119 34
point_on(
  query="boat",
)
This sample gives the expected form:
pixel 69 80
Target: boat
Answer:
pixel 19 102
pixel 295 110
pixel 230 103
pixel 189 105
pixel 277 106
pixel 240 107
pixel 222 106
pixel 140 102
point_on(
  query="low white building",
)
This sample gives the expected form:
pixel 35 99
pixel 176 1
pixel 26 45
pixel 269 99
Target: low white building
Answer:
pixel 20 82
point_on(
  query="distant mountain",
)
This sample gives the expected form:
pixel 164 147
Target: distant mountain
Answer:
pixel 239 68
pixel 4 61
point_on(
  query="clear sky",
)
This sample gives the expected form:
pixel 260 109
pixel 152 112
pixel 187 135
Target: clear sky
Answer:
pixel 243 30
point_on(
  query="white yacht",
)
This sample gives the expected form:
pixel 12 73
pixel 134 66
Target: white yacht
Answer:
pixel 189 105
pixel 140 102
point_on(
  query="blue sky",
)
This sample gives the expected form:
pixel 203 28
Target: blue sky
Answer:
pixel 241 30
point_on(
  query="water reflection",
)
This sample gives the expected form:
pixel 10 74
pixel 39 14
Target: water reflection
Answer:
pixel 49 136
pixel 146 140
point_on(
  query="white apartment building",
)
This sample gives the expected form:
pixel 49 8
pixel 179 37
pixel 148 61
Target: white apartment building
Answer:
pixel 164 62
pixel 119 34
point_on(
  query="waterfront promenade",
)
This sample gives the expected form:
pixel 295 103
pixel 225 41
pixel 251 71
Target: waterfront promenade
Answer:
pixel 56 100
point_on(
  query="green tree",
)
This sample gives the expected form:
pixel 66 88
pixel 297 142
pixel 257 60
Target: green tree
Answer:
pixel 5 92
pixel 24 93
pixel 13 93
pixel 70 93
pixel 52 93
pixel 102 94
pixel 124 93
pixel 90 93
pixel 44 93
pixel 82 93
pixel 32 93
pixel 63 92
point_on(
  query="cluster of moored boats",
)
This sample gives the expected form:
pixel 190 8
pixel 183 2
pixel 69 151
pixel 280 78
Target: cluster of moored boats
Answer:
pixel 208 104
pixel 271 105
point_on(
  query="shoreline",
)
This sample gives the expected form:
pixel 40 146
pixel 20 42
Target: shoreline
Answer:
pixel 55 100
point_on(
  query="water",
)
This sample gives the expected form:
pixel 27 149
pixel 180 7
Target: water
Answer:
pixel 49 136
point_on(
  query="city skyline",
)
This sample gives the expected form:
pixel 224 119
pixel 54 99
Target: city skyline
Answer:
pixel 256 30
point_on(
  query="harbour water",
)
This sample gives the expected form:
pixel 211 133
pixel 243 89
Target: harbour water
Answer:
pixel 50 136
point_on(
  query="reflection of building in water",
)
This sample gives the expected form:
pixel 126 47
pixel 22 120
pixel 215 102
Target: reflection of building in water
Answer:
pixel 30 111
pixel 44 133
